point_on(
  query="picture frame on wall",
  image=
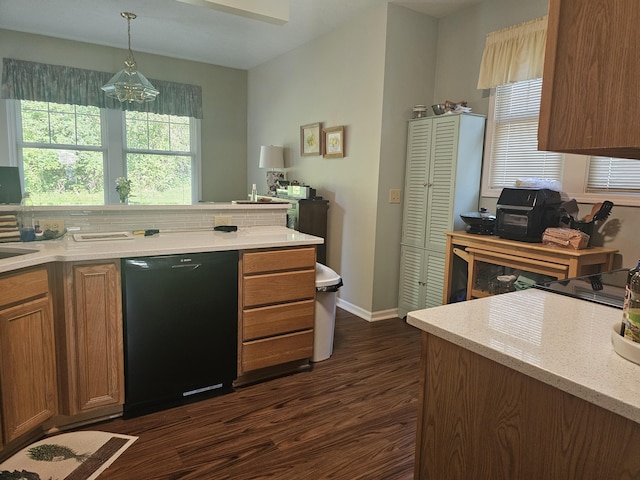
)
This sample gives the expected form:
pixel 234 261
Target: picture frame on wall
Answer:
pixel 333 142
pixel 311 139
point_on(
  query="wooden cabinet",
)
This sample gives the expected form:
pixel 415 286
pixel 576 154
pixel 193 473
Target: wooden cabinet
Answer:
pixel 591 79
pixel 277 297
pixel 480 251
pixel 90 335
pixel 480 419
pixel 442 180
pixel 310 216
pixel 27 352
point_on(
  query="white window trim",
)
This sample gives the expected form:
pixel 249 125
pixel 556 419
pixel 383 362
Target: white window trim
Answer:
pixel 574 179
pixel 113 141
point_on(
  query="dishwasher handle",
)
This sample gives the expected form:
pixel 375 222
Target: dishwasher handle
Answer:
pixel 190 266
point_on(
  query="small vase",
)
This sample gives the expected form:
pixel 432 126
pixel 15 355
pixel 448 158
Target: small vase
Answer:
pixel 124 200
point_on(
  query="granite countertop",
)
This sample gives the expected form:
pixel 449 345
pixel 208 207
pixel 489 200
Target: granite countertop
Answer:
pixel 67 249
pixel 561 341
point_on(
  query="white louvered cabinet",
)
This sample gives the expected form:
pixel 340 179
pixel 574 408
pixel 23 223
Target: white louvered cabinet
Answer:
pixel 442 180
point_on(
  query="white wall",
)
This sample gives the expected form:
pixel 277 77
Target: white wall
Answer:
pixel 346 78
pixel 224 99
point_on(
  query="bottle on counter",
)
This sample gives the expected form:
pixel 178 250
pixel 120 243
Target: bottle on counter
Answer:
pixel 254 193
pixel 26 219
pixel 627 296
pixel 632 327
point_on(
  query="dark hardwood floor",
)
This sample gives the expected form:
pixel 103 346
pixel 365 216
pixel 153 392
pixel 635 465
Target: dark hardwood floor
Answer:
pixel 352 417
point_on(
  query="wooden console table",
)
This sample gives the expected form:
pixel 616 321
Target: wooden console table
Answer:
pixel 531 257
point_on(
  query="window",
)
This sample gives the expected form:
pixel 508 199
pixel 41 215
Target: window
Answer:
pixel 511 152
pixel 71 154
pixel 62 153
pixel 512 140
pixel 158 158
pixel 608 174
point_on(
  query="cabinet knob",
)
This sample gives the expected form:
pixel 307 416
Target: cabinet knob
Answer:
pixel 427 184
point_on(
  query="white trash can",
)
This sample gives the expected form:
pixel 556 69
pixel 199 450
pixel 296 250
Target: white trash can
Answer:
pixel 327 284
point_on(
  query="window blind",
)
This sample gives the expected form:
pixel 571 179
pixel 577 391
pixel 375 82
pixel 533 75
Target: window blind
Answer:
pixel 608 174
pixel 514 152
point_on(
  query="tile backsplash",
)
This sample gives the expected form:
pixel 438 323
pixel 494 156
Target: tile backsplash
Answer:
pixel 129 219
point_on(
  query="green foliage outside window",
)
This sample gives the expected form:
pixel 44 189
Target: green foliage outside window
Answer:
pixel 63 156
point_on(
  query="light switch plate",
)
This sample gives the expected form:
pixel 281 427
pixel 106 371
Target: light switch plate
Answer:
pixel 394 195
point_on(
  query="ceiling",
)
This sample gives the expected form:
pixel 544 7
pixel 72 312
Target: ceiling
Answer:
pixel 182 30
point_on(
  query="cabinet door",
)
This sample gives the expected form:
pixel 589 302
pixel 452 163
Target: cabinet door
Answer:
pixel 416 182
pixel 421 279
pixel 27 366
pixel 434 283
pixel 444 151
pixel 94 337
pixel 590 79
pixel 411 291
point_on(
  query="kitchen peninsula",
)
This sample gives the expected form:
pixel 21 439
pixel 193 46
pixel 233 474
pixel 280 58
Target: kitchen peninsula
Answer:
pixel 525 385
pixel 61 321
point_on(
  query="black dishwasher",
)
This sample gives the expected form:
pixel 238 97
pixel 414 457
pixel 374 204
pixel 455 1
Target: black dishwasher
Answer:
pixel 181 328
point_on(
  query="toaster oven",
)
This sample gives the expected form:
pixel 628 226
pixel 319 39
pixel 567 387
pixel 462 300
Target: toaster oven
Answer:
pixel 523 214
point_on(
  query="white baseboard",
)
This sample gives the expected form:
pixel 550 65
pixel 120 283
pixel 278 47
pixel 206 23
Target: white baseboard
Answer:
pixel 365 314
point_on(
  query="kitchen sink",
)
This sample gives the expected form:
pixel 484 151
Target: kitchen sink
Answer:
pixel 8 252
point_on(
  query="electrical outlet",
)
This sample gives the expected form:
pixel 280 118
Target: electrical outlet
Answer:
pixel 52 224
pixel 222 220
pixel 394 195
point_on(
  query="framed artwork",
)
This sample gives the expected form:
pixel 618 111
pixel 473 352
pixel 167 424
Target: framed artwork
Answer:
pixel 310 139
pixel 333 142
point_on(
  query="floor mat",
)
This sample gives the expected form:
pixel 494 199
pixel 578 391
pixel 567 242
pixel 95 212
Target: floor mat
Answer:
pixel 68 456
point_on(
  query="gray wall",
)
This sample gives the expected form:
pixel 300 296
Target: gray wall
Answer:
pixel 409 80
pixel 460 46
pixel 461 42
pixel 426 61
pixel 366 76
pixel 224 98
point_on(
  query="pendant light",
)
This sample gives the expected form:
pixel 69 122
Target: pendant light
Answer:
pixel 129 85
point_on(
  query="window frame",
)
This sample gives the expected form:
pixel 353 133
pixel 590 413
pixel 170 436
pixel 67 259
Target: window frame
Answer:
pixel 113 147
pixel 575 172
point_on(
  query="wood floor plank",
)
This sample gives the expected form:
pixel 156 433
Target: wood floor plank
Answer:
pixel 351 417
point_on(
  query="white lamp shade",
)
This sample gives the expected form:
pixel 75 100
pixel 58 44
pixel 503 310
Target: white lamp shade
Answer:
pixel 271 157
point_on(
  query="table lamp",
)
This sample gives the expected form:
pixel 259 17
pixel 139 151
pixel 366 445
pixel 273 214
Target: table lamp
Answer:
pixel 272 158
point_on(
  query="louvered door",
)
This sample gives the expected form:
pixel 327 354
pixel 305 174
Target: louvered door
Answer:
pixel 412 282
pixel 439 218
pixel 444 159
pixel 416 181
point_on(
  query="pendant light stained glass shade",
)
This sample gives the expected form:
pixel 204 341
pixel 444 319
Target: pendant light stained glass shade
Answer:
pixel 129 85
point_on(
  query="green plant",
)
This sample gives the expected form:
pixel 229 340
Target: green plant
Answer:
pixel 123 187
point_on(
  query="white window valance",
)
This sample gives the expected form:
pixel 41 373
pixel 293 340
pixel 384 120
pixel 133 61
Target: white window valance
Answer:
pixel 513 54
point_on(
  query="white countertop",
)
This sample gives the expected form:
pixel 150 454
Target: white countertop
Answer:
pixel 67 249
pixel 561 341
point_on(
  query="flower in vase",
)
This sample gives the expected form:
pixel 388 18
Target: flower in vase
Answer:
pixel 123 187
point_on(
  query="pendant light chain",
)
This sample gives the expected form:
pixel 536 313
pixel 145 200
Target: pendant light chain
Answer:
pixel 129 17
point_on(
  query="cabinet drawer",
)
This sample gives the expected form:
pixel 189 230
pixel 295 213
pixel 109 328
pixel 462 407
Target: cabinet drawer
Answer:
pixel 279 287
pixel 279 260
pixel 22 286
pixel 277 350
pixel 277 319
